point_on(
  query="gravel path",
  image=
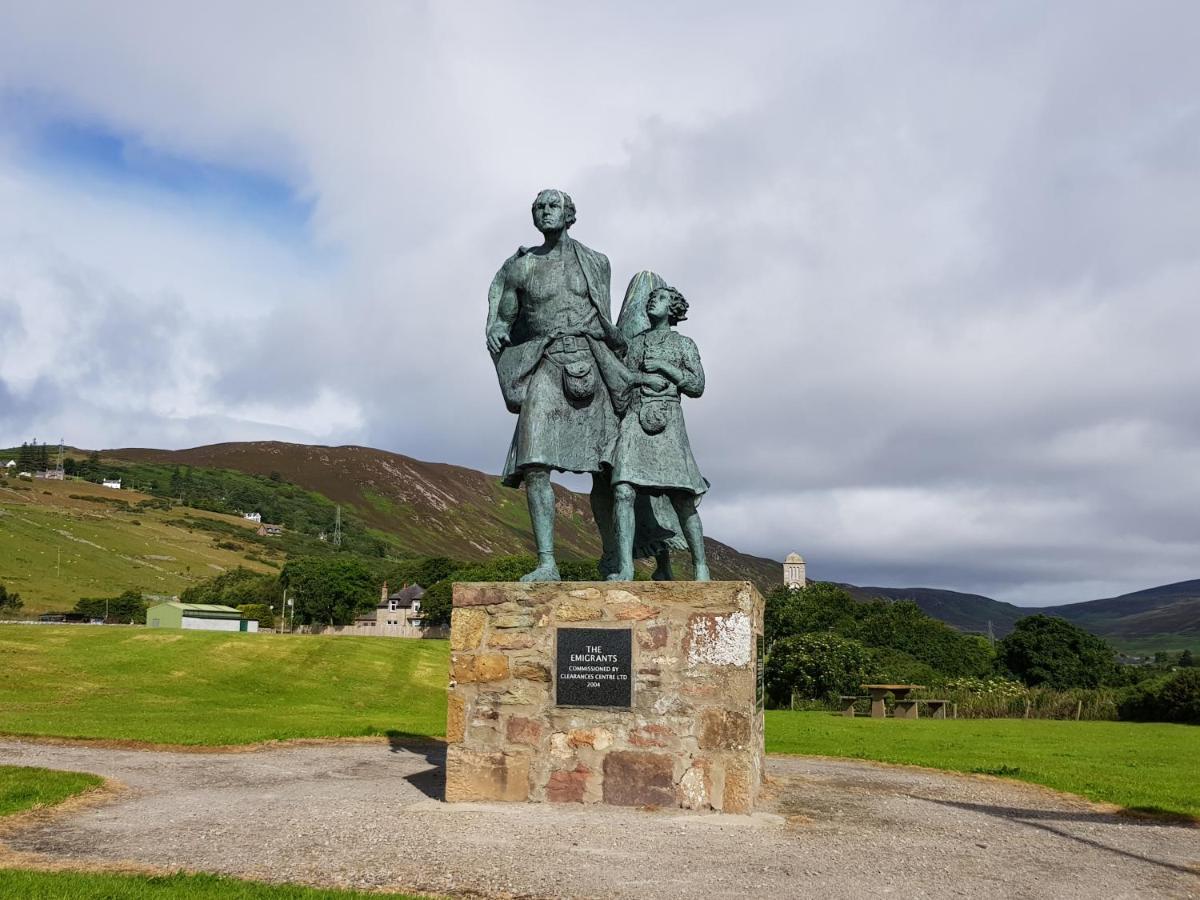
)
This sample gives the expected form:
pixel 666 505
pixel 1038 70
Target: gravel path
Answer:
pixel 365 815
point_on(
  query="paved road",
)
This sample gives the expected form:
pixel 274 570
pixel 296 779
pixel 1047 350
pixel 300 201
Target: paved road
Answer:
pixel 366 815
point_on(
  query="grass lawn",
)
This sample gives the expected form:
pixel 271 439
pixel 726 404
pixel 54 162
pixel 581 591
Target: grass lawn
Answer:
pixel 1141 766
pixel 210 688
pixel 88 886
pixel 24 787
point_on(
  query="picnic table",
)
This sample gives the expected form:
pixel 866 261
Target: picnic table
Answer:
pixel 905 708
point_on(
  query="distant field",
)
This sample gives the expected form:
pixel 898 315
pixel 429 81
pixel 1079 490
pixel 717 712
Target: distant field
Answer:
pixel 55 548
pixel 211 688
pixel 1151 767
pixel 25 787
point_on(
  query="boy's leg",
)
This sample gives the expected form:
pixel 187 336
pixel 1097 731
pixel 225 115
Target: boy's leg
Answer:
pixel 623 518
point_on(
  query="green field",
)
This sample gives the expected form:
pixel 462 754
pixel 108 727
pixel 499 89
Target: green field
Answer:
pixel 89 886
pixel 204 688
pixel 56 547
pixel 25 787
pixel 1141 766
pixel 212 688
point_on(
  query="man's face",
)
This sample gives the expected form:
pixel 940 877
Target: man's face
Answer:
pixel 549 211
pixel 659 304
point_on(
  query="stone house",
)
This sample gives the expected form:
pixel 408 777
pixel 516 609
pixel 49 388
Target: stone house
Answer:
pixel 402 607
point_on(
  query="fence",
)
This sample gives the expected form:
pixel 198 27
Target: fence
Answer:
pixel 388 631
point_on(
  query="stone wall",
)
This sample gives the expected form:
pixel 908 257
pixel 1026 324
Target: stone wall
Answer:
pixel 693 736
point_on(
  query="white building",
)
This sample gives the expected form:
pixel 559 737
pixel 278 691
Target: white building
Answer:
pixel 114 483
pixel 11 464
pixel 793 571
pixel 253 517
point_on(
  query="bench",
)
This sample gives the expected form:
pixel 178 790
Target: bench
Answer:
pixel 848 701
pixel 909 709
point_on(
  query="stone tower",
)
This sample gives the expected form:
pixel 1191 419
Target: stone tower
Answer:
pixel 793 571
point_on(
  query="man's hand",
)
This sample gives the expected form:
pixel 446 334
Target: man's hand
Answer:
pixel 497 337
pixel 654 382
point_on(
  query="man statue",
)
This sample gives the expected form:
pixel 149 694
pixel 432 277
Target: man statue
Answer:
pixel 551 336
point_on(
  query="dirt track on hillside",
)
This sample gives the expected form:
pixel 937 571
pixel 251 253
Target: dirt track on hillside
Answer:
pixel 366 816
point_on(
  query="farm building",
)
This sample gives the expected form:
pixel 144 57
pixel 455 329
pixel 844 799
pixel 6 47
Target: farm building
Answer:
pixel 200 616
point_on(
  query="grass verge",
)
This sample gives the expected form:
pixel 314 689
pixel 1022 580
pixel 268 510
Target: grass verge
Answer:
pixel 31 885
pixel 1145 767
pixel 24 788
pixel 211 688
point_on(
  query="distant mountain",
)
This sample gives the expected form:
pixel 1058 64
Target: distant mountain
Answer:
pixel 427 508
pixel 1169 609
pixel 966 612
pixel 1168 612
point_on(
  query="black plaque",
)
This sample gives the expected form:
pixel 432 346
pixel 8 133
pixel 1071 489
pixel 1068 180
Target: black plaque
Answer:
pixel 593 667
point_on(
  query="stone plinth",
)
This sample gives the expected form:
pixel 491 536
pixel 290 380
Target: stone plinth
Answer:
pixel 689 668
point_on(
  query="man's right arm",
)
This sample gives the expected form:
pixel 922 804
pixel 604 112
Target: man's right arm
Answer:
pixel 499 330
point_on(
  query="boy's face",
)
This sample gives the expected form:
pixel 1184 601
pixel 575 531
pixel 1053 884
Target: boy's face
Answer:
pixel 659 304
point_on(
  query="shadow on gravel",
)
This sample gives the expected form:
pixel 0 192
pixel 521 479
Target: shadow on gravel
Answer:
pixel 1033 818
pixel 432 781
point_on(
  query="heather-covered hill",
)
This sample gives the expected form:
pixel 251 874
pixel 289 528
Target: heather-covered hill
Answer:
pixel 426 508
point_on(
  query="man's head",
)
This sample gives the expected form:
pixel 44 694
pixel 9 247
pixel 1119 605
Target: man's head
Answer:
pixel 553 210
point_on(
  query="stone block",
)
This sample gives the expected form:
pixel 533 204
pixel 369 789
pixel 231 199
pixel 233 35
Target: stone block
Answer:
pixel 596 738
pixel 513 620
pixel 693 789
pixel 568 786
pixel 723 729
pixel 470 667
pixel 471 775
pixel 652 736
pixel 510 640
pixel 466 628
pixel 456 718
pixel 637 611
pixel 577 612
pixel 531 671
pixel 636 778
pixel 478 595
pixel 653 638
pixel 740 787
pixel 522 730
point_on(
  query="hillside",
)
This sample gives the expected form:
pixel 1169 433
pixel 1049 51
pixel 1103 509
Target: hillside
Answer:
pixel 62 540
pixel 424 508
pixel 966 612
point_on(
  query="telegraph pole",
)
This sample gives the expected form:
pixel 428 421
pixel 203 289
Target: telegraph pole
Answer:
pixel 337 527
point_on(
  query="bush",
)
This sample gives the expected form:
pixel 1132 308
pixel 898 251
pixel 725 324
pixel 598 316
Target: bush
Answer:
pixel 260 612
pixel 1045 650
pixel 817 666
pixel 1175 698
pixel 10 599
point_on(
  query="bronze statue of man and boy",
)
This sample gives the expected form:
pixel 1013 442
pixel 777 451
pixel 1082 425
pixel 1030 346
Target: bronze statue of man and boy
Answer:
pixel 598 397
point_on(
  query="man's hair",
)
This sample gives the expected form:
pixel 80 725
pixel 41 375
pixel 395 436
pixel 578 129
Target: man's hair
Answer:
pixel 677 310
pixel 568 204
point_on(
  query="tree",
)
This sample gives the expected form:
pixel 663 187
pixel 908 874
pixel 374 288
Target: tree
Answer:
pixel 10 600
pixel 329 590
pixel 819 666
pixel 818 607
pixel 126 607
pixel 1186 660
pixel 26 457
pixel 260 612
pixel 235 587
pixel 1045 650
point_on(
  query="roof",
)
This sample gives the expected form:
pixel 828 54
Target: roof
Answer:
pixel 201 608
pixel 408 594
pixel 794 558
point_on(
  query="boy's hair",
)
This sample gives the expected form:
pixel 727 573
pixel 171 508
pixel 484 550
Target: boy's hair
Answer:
pixel 677 311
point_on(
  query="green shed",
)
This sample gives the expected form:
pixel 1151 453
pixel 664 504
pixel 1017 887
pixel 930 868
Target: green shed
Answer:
pixel 198 616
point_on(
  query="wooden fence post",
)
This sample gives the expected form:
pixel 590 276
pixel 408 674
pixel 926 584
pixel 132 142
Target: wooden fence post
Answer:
pixel 1078 710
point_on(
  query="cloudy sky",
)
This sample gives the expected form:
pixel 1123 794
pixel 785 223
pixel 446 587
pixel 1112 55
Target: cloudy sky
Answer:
pixel 943 258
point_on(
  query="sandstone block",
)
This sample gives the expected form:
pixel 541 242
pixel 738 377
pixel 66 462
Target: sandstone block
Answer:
pixel 638 778
pixel 596 738
pixel 693 789
pixel 478 595
pixel 652 736
pixel 471 667
pixel 510 640
pixel 471 775
pixel 723 729
pixel 522 730
pixel 513 620
pixel 576 612
pixel 739 788
pixel 636 612
pixel 466 628
pixel 568 786
pixel 456 718
pixel 531 671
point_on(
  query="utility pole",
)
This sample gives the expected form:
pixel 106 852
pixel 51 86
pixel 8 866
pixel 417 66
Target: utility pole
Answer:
pixel 991 634
pixel 337 527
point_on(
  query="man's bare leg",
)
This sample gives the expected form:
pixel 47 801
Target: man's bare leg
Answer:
pixel 693 530
pixel 541 511
pixel 623 497
pixel 602 512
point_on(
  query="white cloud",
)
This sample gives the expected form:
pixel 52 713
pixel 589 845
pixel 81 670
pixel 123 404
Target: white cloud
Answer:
pixel 942 261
